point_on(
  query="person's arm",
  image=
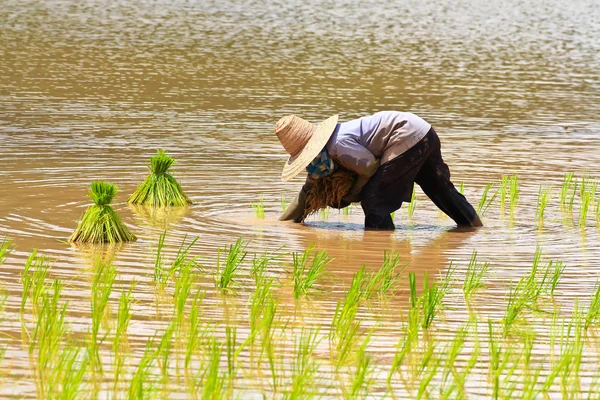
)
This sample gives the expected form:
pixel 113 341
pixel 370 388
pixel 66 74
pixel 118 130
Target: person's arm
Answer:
pixel 355 157
pixel 353 195
pixel 295 210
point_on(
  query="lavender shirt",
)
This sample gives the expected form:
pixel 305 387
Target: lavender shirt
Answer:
pixel 357 144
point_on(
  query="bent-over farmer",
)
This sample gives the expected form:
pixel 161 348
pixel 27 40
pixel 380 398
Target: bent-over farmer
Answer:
pixel 374 160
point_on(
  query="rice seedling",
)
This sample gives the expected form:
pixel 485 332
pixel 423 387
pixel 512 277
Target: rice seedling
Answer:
pixel 324 213
pixel 413 203
pixel 100 223
pixel 5 249
pixel 502 191
pixel 34 281
pixel 461 188
pixel 431 301
pixel 557 268
pixel 195 332
pixel 408 340
pixel 124 316
pixel 162 274
pixel 542 203
pixel 361 381
pixel 344 326
pixel 597 212
pixel 141 385
pixel 183 287
pixel 498 359
pixel 474 276
pixel 160 188
pixel 456 388
pixel 164 353
pixel 261 301
pixel 567 196
pixel 347 211
pixel 386 280
pixel 513 183
pixel 102 284
pixel 485 203
pixel 214 383
pixel 307 269
pixel 226 274
pixel 592 316
pixel 259 208
pixel 46 339
pixel 587 198
pixel 303 367
pixel 68 374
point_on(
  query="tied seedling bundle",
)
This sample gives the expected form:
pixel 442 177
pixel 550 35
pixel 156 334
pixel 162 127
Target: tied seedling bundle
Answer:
pixel 100 223
pixel 160 188
pixel 328 191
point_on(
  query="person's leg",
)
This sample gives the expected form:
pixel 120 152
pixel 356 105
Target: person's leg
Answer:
pixel 434 179
pixel 391 185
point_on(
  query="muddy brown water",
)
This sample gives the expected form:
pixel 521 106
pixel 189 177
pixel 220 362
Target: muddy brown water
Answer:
pixel 90 89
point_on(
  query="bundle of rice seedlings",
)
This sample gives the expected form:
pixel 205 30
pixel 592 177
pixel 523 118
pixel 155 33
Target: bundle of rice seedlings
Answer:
pixel 328 191
pixel 160 188
pixel 100 223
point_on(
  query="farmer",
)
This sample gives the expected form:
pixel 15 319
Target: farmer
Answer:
pixel 382 155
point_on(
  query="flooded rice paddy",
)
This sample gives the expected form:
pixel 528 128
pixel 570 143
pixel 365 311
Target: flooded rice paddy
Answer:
pixel 90 90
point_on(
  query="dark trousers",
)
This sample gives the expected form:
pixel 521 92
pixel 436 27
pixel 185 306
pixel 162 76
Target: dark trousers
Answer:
pixel 393 184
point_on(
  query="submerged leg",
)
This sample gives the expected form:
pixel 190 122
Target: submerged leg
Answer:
pixel 434 179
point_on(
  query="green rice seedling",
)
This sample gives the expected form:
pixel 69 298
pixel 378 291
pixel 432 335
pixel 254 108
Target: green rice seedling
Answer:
pixel 164 353
pixel 141 385
pixel 456 388
pixel 162 274
pixel 498 359
pixel 427 370
pixel 34 280
pixel 124 316
pixel 260 301
pixel 542 203
pixel 502 191
pixel 565 189
pixel 259 208
pixel 102 284
pixel 568 193
pixel 474 276
pixel 557 268
pixel 587 198
pixel 303 367
pixel 5 249
pixel 47 337
pixel 183 287
pixel 307 269
pixel 195 333
pixel 346 211
pixel 68 374
pixel 324 213
pixel 100 223
pixel 344 326
pixel 597 212
pixel 513 183
pixel 215 383
pixel 413 202
pixel 160 188
pixel 485 202
pixel 592 316
pixel 226 274
pixel 386 280
pixel 284 203
pixel 361 381
pixel 431 301
pixel 461 188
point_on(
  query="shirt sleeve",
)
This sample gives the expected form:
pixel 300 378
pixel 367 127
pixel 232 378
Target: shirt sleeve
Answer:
pixel 355 157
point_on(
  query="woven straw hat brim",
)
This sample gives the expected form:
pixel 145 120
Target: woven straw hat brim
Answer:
pixel 296 164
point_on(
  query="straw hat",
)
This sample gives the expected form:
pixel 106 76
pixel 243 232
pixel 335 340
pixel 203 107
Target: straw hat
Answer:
pixel 303 141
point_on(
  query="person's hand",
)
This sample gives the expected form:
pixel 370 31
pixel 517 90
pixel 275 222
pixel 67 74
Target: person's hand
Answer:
pixel 295 210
